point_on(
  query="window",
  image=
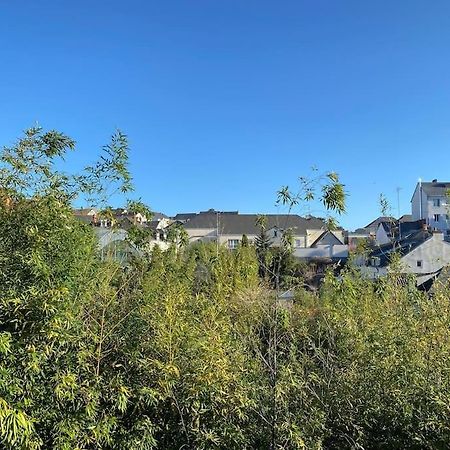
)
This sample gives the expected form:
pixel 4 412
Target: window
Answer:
pixel 275 233
pixel 419 263
pixel 233 244
pixel 375 261
pixel 436 202
pixel 436 217
pixel 298 243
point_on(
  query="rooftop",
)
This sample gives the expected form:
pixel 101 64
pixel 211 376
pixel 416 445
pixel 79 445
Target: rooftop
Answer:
pixel 435 188
pixel 238 224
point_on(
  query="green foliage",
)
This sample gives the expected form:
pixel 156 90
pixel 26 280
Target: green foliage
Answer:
pixel 188 349
pixel 262 244
pixel 177 235
pixel 109 175
pixel 385 207
pixel 139 207
pixel 324 188
pixel 26 169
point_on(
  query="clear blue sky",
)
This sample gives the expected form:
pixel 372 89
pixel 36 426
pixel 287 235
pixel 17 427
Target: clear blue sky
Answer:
pixel 224 101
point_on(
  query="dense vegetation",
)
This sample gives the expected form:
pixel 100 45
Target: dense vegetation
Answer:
pixel 189 349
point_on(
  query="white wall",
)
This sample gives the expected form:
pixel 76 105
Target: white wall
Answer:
pixel 312 236
pixel 224 238
pixel 322 251
pixel 434 254
pixel 204 234
pixel 381 237
pixel 415 204
pixel 442 210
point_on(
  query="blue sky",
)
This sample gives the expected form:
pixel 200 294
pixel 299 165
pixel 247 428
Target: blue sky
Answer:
pixel 226 101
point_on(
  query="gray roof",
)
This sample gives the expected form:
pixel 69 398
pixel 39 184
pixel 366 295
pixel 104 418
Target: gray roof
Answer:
pixel 374 224
pixel 239 224
pixel 436 188
pixel 402 246
pixel 409 227
pixel 393 229
pixel 183 217
pixel 359 231
pixel 406 218
pixel 158 216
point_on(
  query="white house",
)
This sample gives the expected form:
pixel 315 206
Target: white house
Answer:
pixel 397 229
pixel 430 202
pixel 329 245
pixel 423 254
pixel 228 228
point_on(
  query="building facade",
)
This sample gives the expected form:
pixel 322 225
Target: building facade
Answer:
pixel 430 202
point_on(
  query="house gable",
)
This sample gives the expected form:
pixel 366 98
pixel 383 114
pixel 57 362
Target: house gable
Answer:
pixel 327 238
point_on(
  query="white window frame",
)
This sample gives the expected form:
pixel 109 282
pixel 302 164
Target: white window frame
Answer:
pixel 233 244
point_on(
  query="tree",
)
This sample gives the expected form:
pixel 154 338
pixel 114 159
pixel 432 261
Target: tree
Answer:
pixel 53 394
pixel 330 192
pixel 178 235
pixel 262 244
pixel 188 349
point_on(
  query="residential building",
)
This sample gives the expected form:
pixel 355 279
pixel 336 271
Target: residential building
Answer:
pixel 329 246
pixel 372 227
pixel 183 217
pixel 86 215
pixel 430 203
pixel 353 238
pixel 397 229
pixel 228 227
pixel 422 253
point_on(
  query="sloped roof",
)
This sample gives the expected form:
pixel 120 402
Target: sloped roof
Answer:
pixel 238 224
pixel 436 188
pixel 158 216
pixel 84 211
pixel 182 217
pixel 409 227
pixel 393 229
pixel 406 218
pixel 374 224
pixel 402 246
pixel 323 235
pixel 359 231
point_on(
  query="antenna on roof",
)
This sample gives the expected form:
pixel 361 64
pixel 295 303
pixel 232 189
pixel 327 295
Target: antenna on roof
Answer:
pixel 398 200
